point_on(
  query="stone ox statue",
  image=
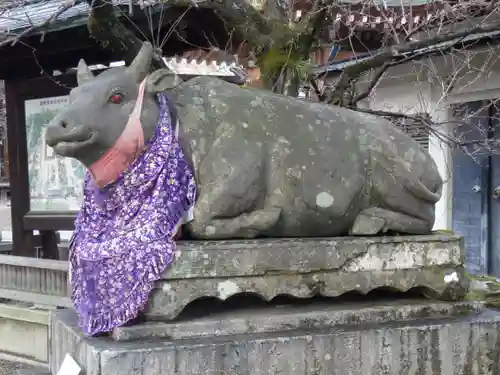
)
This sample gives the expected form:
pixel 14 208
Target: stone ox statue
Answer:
pixel 265 164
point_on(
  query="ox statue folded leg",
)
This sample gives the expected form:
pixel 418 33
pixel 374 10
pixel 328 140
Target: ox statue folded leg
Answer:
pixel 265 165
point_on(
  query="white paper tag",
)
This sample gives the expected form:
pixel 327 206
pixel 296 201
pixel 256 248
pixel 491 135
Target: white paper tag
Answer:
pixel 69 366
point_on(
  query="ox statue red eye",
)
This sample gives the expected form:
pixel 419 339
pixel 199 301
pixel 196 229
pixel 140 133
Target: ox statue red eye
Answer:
pixel 116 98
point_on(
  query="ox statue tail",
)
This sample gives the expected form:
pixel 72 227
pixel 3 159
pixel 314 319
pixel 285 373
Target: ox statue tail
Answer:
pixel 424 193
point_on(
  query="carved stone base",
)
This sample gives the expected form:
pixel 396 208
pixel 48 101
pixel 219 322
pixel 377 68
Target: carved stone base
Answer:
pixel 308 267
pixel 424 338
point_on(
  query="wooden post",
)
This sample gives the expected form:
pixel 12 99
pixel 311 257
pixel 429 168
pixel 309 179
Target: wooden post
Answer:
pixel 18 171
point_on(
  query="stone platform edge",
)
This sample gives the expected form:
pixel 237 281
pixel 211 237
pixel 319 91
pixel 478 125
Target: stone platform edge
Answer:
pixel 464 342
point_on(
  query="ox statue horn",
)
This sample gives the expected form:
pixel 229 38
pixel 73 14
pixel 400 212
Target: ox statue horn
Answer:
pixel 142 62
pixel 83 73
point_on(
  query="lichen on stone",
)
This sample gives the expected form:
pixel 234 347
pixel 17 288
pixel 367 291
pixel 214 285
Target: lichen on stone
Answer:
pixel 484 288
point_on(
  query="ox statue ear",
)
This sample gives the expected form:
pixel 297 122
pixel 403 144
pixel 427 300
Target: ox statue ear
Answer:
pixel 162 80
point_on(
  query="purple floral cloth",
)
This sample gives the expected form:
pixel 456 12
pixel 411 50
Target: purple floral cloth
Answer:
pixel 123 238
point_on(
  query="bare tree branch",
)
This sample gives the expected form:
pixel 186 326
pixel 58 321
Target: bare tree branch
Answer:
pixel 65 5
pixel 390 55
pixel 423 120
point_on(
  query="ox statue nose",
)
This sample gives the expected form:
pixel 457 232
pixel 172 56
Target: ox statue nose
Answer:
pixel 57 131
pixel 50 136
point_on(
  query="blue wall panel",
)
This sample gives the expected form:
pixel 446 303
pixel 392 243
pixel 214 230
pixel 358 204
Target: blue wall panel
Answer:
pixel 471 187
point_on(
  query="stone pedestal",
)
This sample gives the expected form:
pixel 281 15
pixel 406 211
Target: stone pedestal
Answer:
pixel 382 338
pixel 308 267
pixel 403 338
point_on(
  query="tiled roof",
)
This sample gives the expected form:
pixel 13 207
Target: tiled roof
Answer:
pixel 16 15
pixel 305 4
pixel 7 4
pixel 338 66
pixel 395 14
pixel 391 3
pixel 20 14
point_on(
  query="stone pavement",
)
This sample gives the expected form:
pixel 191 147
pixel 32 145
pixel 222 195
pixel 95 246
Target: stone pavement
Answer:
pixel 14 368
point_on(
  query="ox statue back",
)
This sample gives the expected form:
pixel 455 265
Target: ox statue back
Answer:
pixel 264 164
